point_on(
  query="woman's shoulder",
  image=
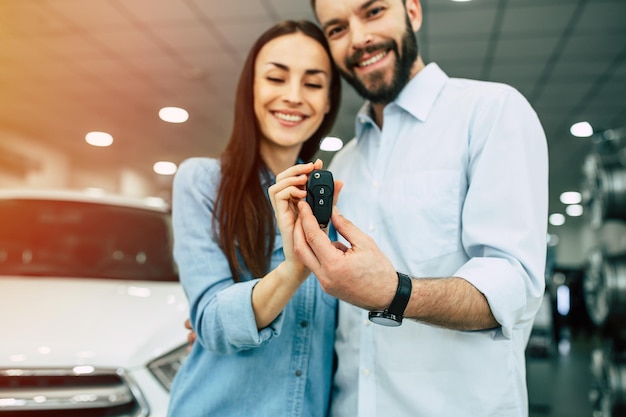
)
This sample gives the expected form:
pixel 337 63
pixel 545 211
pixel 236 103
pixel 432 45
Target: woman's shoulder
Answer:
pixel 197 172
pixel 198 165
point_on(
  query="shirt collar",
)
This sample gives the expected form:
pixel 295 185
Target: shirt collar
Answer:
pixel 417 98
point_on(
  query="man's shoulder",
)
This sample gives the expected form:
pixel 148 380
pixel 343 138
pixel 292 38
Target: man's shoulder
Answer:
pixel 343 154
pixel 480 87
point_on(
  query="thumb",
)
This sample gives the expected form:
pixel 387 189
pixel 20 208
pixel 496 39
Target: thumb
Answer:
pixel 338 188
pixel 347 229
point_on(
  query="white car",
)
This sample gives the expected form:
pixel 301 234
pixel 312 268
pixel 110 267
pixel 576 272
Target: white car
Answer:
pixel 91 310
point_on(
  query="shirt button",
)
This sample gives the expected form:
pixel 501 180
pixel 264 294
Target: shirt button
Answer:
pixel 372 228
pixel 304 323
pixel 376 185
pixel 298 373
pixel 367 323
pixel 362 120
pixel 366 372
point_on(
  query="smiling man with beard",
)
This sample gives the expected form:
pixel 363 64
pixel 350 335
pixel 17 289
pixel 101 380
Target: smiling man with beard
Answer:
pixel 447 204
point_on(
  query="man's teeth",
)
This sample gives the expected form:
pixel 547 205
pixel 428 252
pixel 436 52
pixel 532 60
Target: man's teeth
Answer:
pixel 289 117
pixel 373 59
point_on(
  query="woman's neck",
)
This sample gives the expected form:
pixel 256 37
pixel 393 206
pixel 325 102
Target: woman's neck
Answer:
pixel 279 159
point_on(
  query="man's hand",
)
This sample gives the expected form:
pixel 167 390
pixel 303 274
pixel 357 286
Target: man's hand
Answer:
pixel 360 274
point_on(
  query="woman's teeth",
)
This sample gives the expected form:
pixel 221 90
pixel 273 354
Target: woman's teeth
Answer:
pixel 289 117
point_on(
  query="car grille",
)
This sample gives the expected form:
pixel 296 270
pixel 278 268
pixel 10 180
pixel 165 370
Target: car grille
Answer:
pixel 69 393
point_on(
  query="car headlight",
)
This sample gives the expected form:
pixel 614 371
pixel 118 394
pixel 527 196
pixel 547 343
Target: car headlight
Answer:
pixel 165 368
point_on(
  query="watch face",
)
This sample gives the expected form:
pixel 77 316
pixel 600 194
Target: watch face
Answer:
pixel 384 318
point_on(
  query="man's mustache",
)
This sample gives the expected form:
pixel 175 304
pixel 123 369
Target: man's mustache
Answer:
pixel 353 59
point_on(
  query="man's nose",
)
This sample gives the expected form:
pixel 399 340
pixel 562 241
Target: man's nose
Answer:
pixel 360 35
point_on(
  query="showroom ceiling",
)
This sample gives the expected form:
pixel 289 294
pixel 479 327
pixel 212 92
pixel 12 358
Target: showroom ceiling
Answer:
pixel 68 67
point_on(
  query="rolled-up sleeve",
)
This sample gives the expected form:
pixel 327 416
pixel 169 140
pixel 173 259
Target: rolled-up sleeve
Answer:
pixel 504 215
pixel 220 310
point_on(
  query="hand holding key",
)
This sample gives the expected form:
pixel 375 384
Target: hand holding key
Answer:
pixel 320 192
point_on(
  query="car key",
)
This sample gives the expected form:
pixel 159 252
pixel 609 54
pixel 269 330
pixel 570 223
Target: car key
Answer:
pixel 320 189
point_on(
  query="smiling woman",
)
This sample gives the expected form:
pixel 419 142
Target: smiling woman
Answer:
pixel 234 245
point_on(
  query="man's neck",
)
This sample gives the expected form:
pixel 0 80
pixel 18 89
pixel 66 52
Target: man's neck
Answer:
pixel 378 108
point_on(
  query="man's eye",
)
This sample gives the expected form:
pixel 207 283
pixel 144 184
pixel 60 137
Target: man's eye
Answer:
pixel 333 32
pixel 375 11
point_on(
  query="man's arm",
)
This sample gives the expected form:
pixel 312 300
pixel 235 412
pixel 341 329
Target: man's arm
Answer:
pixel 362 275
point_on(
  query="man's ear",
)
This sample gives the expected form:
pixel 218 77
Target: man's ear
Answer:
pixel 414 12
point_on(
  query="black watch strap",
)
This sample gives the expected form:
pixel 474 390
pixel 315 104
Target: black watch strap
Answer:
pixel 394 314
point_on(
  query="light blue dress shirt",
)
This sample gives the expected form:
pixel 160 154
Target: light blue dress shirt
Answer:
pixel 455 184
pixel 234 369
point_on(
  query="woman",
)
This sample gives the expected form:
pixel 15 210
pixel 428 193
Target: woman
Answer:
pixel 264 331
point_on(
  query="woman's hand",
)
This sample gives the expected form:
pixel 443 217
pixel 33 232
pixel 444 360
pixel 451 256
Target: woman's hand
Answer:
pixel 289 189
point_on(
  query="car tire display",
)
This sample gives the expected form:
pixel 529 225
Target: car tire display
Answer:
pixel 604 282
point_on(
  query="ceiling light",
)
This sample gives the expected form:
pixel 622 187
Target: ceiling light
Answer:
pixel 553 239
pixel 556 219
pixel 331 144
pixel 571 197
pixel 101 139
pixel 574 210
pixel 173 114
pixel 165 168
pixel 581 129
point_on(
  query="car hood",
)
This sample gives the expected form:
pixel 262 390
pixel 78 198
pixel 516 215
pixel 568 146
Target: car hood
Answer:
pixel 49 322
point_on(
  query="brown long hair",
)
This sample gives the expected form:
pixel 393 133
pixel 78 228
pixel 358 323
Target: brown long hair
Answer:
pixel 243 213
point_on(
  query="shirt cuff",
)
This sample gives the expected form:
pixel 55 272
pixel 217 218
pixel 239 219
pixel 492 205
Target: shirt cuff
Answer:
pixel 507 300
pixel 235 311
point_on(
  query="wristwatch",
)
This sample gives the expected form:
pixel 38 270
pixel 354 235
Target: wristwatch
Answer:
pixel 393 315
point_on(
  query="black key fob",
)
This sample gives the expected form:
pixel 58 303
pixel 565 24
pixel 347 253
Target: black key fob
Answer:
pixel 320 190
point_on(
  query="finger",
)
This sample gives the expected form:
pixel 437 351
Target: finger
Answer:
pixel 302 249
pixel 296 170
pixel 288 181
pixel 188 324
pixel 289 193
pixel 340 246
pixel 318 164
pixel 317 239
pixel 289 187
pixel 348 230
pixel 338 188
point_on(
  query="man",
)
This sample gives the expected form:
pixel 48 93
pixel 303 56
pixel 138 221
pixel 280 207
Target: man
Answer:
pixel 446 192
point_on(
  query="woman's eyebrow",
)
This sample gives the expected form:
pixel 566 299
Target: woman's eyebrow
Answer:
pixel 308 71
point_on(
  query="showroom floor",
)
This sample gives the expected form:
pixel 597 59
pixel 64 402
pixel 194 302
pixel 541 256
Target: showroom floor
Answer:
pixel 559 385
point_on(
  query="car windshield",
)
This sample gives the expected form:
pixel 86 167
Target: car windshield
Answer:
pixel 74 239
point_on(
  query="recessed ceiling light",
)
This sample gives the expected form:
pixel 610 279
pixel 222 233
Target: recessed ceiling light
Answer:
pixel 331 144
pixel 581 129
pixel 571 197
pixel 556 219
pixel 173 114
pixel 574 210
pixel 165 168
pixel 101 139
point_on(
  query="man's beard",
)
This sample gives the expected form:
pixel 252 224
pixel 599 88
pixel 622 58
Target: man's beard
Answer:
pixel 380 92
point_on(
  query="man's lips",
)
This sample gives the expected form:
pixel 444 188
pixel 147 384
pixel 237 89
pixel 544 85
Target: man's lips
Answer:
pixel 372 60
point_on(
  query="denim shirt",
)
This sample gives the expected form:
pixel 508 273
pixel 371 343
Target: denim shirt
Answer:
pixel 234 369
